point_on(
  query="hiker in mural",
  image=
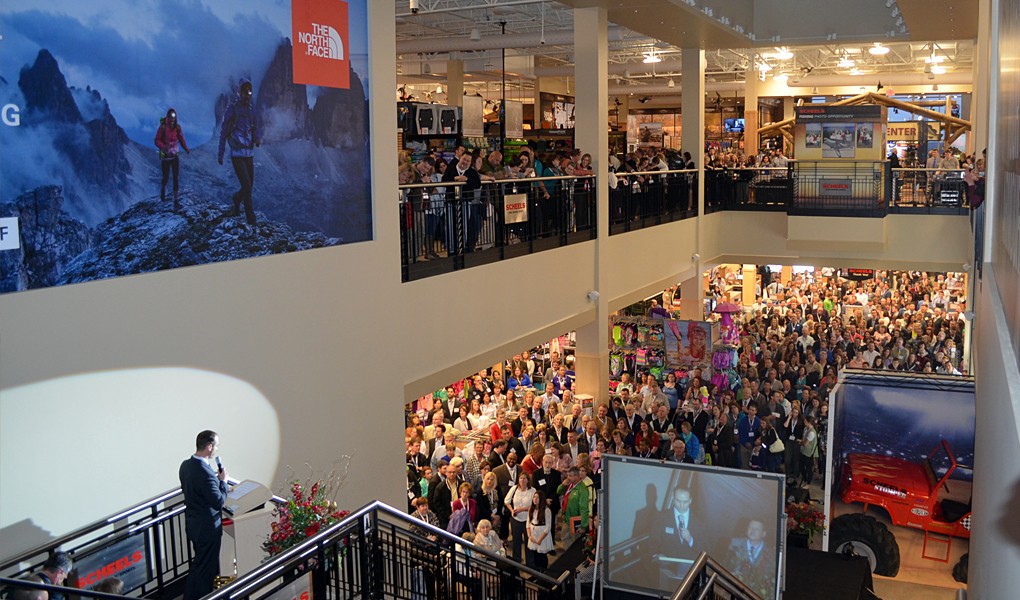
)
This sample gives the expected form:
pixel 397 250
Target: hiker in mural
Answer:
pixel 241 132
pixel 170 140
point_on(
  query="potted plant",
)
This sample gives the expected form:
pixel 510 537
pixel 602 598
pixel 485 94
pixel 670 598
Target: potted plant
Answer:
pixel 310 509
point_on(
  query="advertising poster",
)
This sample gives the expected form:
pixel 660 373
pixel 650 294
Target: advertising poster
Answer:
pixel 472 117
pixel 837 140
pixel 813 135
pixel 514 119
pixel 650 135
pixel 688 343
pixel 515 208
pixel 124 560
pixel 157 134
pixel 865 135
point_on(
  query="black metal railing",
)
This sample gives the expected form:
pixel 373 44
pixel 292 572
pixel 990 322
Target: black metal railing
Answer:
pixel 851 188
pixel 155 528
pixel 748 188
pixel 376 553
pixel 709 579
pixel 10 588
pixel 648 198
pixel 928 191
pixel 445 227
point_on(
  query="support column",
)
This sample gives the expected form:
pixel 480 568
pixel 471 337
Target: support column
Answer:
pixel 751 115
pixel 455 82
pixel 789 111
pixel 692 113
pixel 591 76
pixel 749 274
pixel 692 298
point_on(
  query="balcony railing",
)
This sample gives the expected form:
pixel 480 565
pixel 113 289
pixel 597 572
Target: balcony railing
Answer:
pixel 748 188
pixel 850 188
pixel 928 191
pixel 649 198
pixel 444 227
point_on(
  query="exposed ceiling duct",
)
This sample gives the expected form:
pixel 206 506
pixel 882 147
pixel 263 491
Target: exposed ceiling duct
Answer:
pixel 493 40
pixel 663 88
pixel 887 79
pixel 666 66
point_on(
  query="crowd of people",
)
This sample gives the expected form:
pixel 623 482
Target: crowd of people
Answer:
pixel 533 450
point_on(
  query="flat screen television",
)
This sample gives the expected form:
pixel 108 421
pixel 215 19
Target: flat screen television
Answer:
pixel 733 125
pixel 658 517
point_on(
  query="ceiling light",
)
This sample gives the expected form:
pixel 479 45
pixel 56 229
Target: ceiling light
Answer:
pixel 783 53
pixel 670 83
pixel 476 36
pixel 938 70
pixel 426 69
pixel 934 87
pixel 856 71
pixel 846 63
pixel 781 77
pixel 651 57
pixel 878 49
pixel 764 67
pixel 439 89
pixel 934 58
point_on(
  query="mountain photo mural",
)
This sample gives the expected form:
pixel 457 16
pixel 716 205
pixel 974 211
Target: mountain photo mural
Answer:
pixel 142 135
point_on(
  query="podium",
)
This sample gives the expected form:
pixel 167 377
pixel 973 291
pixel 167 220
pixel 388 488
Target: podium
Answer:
pixel 250 514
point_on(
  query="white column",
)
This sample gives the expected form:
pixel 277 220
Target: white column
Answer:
pixel 692 113
pixel 591 59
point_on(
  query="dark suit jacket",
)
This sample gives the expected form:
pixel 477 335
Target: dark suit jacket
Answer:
pixel 561 438
pixel 441 501
pixel 495 461
pixel 670 543
pixel 504 480
pixel 517 446
pixel 204 495
pixel 552 481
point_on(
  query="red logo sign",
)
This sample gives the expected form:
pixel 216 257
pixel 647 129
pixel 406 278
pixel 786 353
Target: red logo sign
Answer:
pixel 321 44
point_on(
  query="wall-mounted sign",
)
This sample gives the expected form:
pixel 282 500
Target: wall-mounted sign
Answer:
pixel 835 187
pixel 838 113
pixel 859 274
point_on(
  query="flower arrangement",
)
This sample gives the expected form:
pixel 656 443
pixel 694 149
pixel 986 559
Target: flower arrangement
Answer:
pixel 803 518
pixel 310 509
pixel 590 541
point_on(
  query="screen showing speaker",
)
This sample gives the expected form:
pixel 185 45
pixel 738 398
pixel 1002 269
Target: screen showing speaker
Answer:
pixel 658 518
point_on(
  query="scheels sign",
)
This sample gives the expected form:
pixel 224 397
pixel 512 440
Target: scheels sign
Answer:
pixel 320 43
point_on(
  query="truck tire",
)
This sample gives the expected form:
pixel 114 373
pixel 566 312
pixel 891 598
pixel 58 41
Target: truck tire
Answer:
pixel 868 538
pixel 960 570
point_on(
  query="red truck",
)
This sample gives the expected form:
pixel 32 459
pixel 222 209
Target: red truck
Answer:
pixel 915 495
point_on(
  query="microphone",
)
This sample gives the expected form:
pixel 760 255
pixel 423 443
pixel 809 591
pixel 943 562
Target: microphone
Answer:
pixel 219 464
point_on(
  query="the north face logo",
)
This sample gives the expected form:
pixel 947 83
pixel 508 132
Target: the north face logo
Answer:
pixel 320 53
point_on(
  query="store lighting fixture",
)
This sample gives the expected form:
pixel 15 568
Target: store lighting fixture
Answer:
pixel 878 49
pixel 651 58
pixel 856 71
pixel 670 83
pixel 476 36
pixel 781 77
pixel 783 53
pixel 934 87
pixel 938 70
pixel 845 62
pixel 933 58
pixel 439 88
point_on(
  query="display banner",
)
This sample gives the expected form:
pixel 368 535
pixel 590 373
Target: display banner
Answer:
pixel 514 119
pixel 688 343
pixel 908 131
pixel 124 560
pixel 472 117
pixel 858 274
pixel 838 113
pixel 515 208
pixel 835 187
pixel 159 134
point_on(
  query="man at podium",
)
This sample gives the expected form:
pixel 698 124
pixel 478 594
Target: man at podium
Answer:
pixel 205 491
pixel 677 534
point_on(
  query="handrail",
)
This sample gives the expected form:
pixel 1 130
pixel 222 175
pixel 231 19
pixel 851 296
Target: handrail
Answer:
pixel 726 579
pixel 271 569
pixel 666 172
pixel 90 528
pixel 431 184
pixel 6 583
pixel 110 521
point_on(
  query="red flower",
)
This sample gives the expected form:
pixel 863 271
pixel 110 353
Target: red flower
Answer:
pixel 312 530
